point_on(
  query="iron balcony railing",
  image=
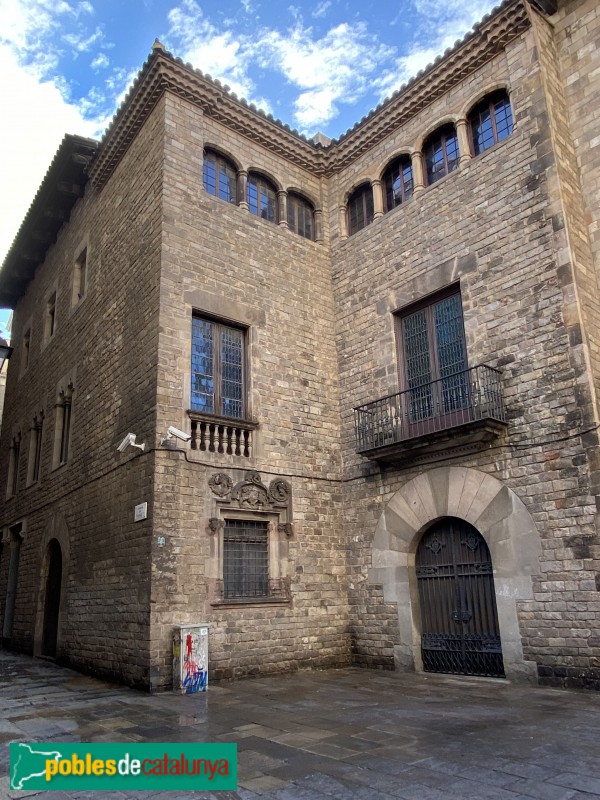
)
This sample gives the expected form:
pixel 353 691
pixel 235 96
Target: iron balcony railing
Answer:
pixel 464 397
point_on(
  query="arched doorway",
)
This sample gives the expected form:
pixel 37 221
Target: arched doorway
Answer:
pixel 52 599
pixel 460 633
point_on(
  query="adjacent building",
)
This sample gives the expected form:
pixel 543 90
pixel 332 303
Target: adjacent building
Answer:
pixel 380 356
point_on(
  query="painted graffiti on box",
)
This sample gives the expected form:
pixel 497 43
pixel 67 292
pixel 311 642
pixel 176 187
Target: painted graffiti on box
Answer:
pixel 191 659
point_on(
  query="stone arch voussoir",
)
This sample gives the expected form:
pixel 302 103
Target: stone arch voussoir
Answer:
pixel 503 521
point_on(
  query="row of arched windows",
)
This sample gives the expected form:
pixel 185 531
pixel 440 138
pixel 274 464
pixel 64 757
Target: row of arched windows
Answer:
pixel 489 122
pixel 258 194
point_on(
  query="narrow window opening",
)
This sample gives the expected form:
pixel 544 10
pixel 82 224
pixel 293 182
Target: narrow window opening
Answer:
pixel 80 277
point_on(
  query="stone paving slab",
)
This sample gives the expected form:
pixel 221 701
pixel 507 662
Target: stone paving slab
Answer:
pixel 337 735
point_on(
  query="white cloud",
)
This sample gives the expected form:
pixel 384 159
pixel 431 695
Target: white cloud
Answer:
pixel 40 117
pixel 322 8
pixel 219 53
pixel 101 61
pixel 80 42
pixel 35 100
pixel 337 68
pixel 444 22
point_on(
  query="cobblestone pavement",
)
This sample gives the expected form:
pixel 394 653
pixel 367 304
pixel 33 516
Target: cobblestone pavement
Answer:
pixel 339 735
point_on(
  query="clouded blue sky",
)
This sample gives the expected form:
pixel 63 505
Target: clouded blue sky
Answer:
pixel 318 65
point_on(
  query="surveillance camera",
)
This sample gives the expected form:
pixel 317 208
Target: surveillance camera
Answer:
pixel 185 437
pixel 129 441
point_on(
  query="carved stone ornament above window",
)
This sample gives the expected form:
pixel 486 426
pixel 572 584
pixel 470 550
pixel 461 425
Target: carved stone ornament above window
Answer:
pixel 252 494
pixel 215 525
pixel 220 483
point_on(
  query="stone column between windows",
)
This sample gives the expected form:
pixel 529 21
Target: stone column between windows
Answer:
pixel 343 223
pixel 377 199
pixel 464 146
pixel 318 225
pixel 416 160
pixel 282 208
pixel 242 186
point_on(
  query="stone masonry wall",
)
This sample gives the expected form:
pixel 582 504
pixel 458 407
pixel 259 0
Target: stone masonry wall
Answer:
pixel 107 343
pixel 490 226
pixel 221 260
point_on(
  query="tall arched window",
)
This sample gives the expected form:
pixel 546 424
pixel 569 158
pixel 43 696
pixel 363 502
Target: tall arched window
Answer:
pixel 220 176
pixel 441 153
pixel 262 197
pixel 360 208
pixel 398 182
pixel 300 216
pixel 490 121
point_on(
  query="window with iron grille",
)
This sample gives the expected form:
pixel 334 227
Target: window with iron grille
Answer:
pixel 490 121
pixel 300 216
pixel 433 356
pixel 360 208
pixel 262 198
pixel 441 153
pixel 218 369
pixel 398 182
pixel 219 177
pixel 245 559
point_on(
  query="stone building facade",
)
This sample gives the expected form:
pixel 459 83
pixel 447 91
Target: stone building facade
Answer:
pixel 382 354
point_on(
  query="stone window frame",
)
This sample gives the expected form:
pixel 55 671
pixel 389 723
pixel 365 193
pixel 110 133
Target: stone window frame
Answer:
pixel 263 184
pixel 81 275
pixel 297 207
pixel 220 325
pixel 394 172
pixel 34 460
pixel 250 500
pixel 14 460
pixel 231 170
pixel 26 342
pixel 426 304
pixel 490 103
pixel 63 421
pixel 358 201
pixel 439 140
pixel 50 317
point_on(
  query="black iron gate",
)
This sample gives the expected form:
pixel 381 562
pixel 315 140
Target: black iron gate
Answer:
pixel 459 621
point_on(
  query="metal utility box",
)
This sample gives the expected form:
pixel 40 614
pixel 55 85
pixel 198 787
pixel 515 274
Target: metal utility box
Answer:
pixel 190 658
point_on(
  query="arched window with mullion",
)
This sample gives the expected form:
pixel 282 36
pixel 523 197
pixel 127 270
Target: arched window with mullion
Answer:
pixel 219 177
pixel 490 121
pixel 360 208
pixel 441 153
pixel 262 197
pixel 398 182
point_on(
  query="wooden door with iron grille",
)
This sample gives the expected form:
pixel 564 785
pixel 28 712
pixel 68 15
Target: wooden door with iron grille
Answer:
pixel 459 621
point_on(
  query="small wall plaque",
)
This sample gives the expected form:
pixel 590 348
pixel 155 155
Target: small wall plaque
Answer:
pixel 140 512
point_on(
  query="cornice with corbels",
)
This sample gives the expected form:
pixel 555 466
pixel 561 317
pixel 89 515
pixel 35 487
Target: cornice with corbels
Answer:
pixel 162 73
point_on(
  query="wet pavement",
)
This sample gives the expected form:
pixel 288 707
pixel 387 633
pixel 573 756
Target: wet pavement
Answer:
pixel 337 735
